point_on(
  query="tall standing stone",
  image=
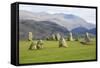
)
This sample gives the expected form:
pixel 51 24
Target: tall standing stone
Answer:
pixel 53 37
pixel 32 45
pixel 30 36
pixel 39 44
pixel 58 36
pixel 70 36
pixel 62 42
pixel 87 38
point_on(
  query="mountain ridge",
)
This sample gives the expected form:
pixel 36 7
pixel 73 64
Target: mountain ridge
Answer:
pixel 40 29
pixel 44 24
pixel 58 18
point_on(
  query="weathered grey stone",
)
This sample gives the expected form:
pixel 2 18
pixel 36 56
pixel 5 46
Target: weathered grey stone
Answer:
pixel 39 44
pixel 87 38
pixel 70 36
pixel 53 37
pixel 30 36
pixel 32 45
pixel 62 42
pixel 58 36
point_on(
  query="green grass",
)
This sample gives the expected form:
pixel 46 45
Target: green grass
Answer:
pixel 52 53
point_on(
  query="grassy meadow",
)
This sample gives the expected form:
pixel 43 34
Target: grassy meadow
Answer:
pixel 52 53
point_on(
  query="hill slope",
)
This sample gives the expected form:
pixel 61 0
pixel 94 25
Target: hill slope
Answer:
pixel 40 29
pixel 69 21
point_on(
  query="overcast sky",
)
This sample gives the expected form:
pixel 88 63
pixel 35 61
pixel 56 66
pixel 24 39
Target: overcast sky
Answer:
pixel 87 14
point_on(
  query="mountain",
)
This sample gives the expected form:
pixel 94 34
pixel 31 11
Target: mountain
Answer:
pixel 69 21
pixel 40 29
pixel 80 30
pixel 44 24
pixel 93 31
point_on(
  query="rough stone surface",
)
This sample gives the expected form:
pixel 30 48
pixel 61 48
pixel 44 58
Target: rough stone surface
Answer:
pixel 58 36
pixel 39 44
pixel 70 36
pixel 32 45
pixel 62 43
pixel 87 38
pixel 53 37
pixel 30 35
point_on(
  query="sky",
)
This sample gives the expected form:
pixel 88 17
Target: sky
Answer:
pixel 88 14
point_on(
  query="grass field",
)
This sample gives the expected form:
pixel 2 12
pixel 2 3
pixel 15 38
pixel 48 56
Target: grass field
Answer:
pixel 51 52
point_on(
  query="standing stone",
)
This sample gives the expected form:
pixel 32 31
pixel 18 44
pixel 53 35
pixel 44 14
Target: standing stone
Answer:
pixel 70 36
pixel 39 44
pixel 53 37
pixel 58 36
pixel 87 38
pixel 32 45
pixel 62 42
pixel 30 36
